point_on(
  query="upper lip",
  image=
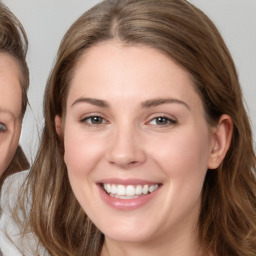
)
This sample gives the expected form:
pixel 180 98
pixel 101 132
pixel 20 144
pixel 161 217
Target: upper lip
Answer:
pixel 127 181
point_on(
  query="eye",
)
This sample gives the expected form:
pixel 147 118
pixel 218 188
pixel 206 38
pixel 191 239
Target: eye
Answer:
pixel 3 128
pixel 94 120
pixel 162 121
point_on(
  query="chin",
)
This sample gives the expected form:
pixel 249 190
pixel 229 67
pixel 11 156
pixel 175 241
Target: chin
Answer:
pixel 128 234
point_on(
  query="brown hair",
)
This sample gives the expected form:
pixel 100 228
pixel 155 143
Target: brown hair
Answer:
pixel 227 222
pixel 13 41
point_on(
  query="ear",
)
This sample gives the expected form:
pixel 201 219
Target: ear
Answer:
pixel 58 125
pixel 222 135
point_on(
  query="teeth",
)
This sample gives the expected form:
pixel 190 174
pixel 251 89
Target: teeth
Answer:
pixel 120 190
pixel 130 191
pixel 113 189
pixel 138 190
pixel 145 189
pixel 152 188
pixel 108 188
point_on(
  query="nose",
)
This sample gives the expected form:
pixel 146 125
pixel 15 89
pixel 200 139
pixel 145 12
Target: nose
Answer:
pixel 126 148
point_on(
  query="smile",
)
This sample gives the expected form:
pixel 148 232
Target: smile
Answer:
pixel 127 195
pixel 129 191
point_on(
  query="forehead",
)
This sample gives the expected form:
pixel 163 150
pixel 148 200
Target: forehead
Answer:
pixel 110 70
pixel 11 93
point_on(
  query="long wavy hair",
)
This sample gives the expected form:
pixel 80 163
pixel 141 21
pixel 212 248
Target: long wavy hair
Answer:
pixel 13 41
pixel 227 221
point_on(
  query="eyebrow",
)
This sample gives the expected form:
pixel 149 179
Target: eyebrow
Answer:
pixel 161 101
pixel 146 104
pixel 95 102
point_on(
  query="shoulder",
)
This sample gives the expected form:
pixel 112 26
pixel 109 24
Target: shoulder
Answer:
pixel 12 240
pixel 15 180
pixel 11 189
pixel 6 247
pixel 8 227
pixel 17 177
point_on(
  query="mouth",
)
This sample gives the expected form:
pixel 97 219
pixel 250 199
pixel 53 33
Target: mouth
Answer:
pixel 129 191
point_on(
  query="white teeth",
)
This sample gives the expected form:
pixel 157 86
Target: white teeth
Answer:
pixel 138 190
pixel 113 189
pixel 129 191
pixel 108 188
pixel 151 188
pixel 120 190
pixel 145 189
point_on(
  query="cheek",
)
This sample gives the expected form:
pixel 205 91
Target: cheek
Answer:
pixel 8 146
pixel 184 154
pixel 82 152
pixel 82 155
pixel 183 159
pixel 5 155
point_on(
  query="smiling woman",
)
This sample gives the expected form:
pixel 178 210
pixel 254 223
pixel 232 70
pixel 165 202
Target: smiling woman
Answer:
pixel 138 141
pixel 146 147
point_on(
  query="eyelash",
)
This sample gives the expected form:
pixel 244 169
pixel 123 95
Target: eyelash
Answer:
pixel 162 118
pixel 168 121
pixel 3 128
pixel 86 119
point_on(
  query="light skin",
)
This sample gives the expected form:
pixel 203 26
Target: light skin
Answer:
pixel 133 116
pixel 10 109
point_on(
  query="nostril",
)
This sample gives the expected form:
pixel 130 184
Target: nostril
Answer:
pixel 133 163
pixel 124 164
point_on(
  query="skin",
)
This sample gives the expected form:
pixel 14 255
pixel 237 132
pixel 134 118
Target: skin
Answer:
pixel 129 142
pixel 10 109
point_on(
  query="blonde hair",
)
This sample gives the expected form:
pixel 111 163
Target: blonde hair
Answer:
pixel 13 41
pixel 227 222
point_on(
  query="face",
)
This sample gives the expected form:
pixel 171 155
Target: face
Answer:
pixel 10 109
pixel 137 145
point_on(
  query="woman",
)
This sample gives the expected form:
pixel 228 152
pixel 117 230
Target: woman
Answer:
pixel 147 148
pixel 14 81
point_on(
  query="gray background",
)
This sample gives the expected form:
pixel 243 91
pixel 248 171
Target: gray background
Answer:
pixel 46 21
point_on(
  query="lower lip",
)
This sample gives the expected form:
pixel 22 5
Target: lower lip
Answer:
pixel 127 204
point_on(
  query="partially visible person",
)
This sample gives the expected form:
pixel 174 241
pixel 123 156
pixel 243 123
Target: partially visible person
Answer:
pixel 14 83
